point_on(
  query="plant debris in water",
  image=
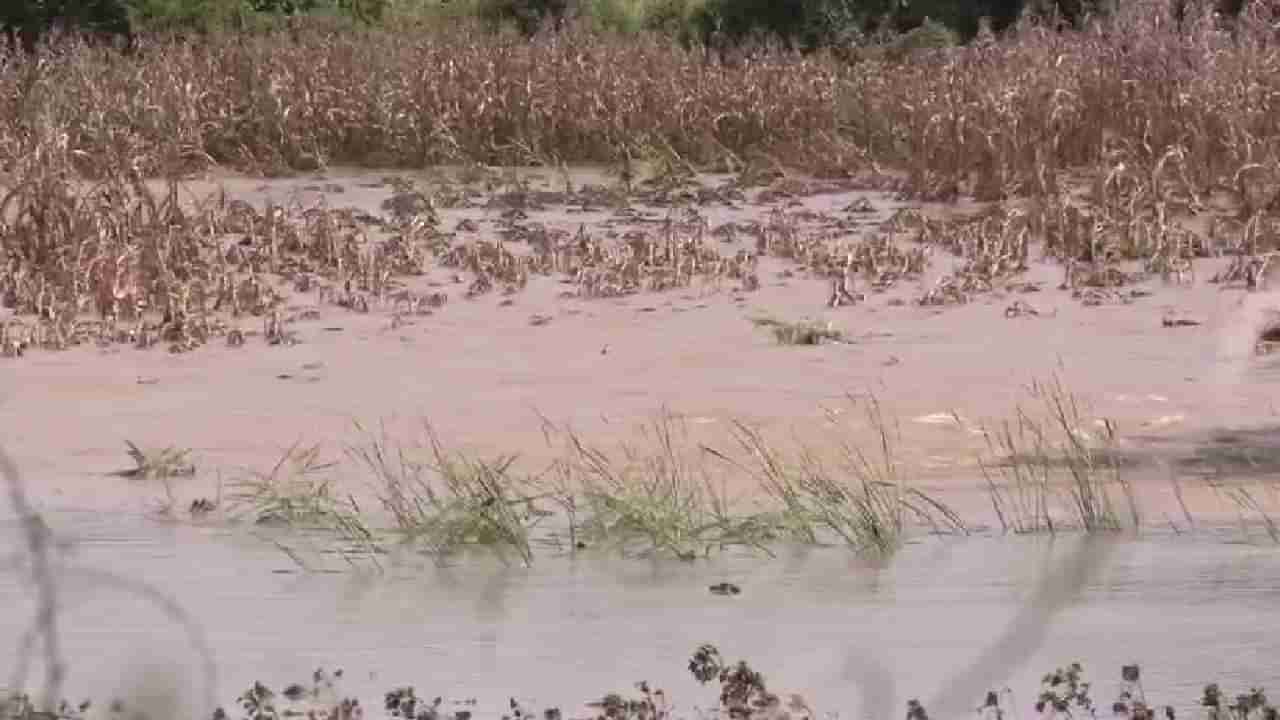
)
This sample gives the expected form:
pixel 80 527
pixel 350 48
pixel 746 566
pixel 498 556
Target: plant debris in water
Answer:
pixel 725 588
pixel 799 333
pixel 743 694
pixel 159 464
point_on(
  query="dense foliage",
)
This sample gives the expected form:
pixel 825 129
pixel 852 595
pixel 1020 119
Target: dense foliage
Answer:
pixel 27 20
pixel 116 20
pixel 796 24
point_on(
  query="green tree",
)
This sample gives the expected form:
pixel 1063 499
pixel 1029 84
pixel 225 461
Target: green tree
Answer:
pixel 204 16
pixel 26 21
pixel 528 16
pixel 798 24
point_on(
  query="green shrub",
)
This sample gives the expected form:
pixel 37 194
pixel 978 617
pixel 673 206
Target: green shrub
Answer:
pixel 624 16
pixel 428 15
pixel 177 16
pixel 28 20
pixel 797 24
pixel 204 16
pixel 527 16
pixel 674 18
pixel 961 16
pixel 929 35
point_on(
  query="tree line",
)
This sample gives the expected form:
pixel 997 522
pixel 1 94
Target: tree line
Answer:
pixel 799 24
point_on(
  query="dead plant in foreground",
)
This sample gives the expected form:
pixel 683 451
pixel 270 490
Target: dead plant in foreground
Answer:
pixel 39 561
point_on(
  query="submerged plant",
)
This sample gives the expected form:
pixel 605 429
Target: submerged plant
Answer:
pixel 659 496
pixel 1245 503
pixel 1045 459
pixel 297 492
pixel 863 499
pixel 448 500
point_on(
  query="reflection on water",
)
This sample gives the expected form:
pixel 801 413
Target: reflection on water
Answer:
pixel 1191 609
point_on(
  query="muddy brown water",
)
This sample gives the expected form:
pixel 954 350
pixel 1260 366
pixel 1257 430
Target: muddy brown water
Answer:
pixel 484 374
pixel 1190 608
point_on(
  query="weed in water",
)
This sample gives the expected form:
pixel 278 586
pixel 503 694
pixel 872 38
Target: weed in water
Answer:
pixel 862 499
pixel 166 463
pixel 297 492
pixel 1048 457
pixel 661 497
pixel 447 500
pixel 1246 503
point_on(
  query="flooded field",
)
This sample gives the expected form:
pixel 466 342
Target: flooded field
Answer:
pixel 487 365
pixel 900 373
pixel 1192 597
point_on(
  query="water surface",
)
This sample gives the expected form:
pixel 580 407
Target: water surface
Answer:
pixel 1190 608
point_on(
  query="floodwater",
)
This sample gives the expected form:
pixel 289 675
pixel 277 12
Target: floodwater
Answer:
pixel 1191 604
pixel 1191 609
pixel 485 375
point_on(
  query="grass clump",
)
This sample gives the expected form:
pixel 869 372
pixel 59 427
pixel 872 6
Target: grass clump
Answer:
pixel 863 500
pixel 656 497
pixel 1246 503
pixel 446 500
pixel 1049 460
pixel 667 495
pixel 660 498
pixel 296 491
